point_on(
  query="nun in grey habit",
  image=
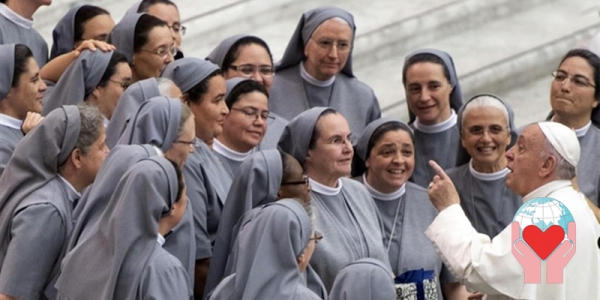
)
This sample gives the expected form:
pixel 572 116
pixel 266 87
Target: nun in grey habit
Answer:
pixel 364 279
pixel 14 29
pixel 123 35
pixel 36 207
pixel 276 125
pixel 347 217
pixel 291 94
pixel 484 197
pixel 63 35
pixel 266 266
pixel 129 103
pixel 157 123
pixel 10 128
pixel 406 214
pixel 207 177
pixel 124 257
pixel 439 142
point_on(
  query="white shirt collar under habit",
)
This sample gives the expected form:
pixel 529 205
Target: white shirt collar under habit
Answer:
pixel 229 153
pixel 10 122
pixel 441 127
pixel 160 239
pixel 14 17
pixel 487 176
pixel 320 83
pixel 383 196
pixel 325 190
pixel 580 132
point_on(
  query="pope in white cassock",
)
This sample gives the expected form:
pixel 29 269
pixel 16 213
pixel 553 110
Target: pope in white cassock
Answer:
pixel 542 164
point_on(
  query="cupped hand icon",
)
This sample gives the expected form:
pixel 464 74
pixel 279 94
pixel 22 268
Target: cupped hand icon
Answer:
pixel 528 259
pixel 561 256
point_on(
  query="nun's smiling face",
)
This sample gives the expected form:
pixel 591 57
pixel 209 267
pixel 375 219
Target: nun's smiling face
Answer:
pixel 155 55
pixel 573 99
pixel 27 96
pixel 428 92
pixel 244 127
pixel 391 161
pixel 328 49
pixel 253 55
pixel 331 155
pixel 210 110
pixel 485 136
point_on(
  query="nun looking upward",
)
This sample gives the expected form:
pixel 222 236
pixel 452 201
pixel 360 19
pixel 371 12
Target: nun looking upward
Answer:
pixel 364 279
pixel 274 249
pixel 486 130
pixel 124 257
pixel 41 186
pixel 16 27
pixel 146 41
pixel 433 95
pixel 167 11
pixel 348 217
pixel 246 123
pixel 208 177
pixel 96 77
pixel 249 56
pixel 21 92
pixel 316 70
pixel 574 97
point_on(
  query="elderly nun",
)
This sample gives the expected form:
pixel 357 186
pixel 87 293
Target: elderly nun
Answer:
pixel 364 279
pixel 275 248
pixel 319 139
pixel 19 110
pixel 316 70
pixel 41 186
pixel 387 150
pixel 486 130
pixel 124 257
pixel 432 101
pixel 96 77
pixel 248 56
pixel 208 177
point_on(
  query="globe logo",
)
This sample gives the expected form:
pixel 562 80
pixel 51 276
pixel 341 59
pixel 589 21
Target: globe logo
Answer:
pixel 543 212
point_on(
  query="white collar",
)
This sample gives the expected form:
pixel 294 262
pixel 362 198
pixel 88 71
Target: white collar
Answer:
pixel 158 151
pixel 10 122
pixel 71 191
pixel 383 196
pixel 325 190
pixel 105 121
pixel 320 83
pixel 547 189
pixel 14 17
pixel 229 153
pixel 440 127
pixel 488 176
pixel 160 239
pixel 580 132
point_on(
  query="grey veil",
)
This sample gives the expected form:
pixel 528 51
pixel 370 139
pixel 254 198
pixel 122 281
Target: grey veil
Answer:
pixel 7 68
pixel 364 279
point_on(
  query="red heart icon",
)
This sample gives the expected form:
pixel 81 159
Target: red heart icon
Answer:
pixel 543 242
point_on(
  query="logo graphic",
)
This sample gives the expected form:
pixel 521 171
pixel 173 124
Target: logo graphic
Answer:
pixel 543 229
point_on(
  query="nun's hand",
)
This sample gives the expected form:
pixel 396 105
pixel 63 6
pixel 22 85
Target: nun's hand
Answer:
pixel 441 191
pixel 31 120
pixel 93 45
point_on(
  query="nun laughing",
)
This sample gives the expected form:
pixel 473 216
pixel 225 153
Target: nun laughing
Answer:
pixel 348 217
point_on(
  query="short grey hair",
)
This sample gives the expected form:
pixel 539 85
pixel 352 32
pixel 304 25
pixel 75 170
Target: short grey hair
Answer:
pixel 165 86
pixel 564 169
pixel 92 124
pixel 485 101
pixel 186 113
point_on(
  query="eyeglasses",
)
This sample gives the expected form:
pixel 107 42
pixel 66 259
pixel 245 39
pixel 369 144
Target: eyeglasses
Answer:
pixel 178 28
pixel 578 80
pixel 254 114
pixel 317 238
pixel 163 52
pixel 304 181
pixel 339 141
pixel 249 70
pixel 123 84
pixel 326 44
pixel 195 143
pixel 492 129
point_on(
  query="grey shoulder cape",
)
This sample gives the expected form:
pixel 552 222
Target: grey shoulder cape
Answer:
pixel 364 279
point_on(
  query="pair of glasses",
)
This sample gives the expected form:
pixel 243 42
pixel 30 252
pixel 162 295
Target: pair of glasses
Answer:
pixel 249 70
pixel 254 114
pixel 178 28
pixel 578 80
pixel 195 143
pixel 340 141
pixel 317 238
pixel 163 52
pixel 303 181
pixel 123 84
pixel 492 129
pixel 326 44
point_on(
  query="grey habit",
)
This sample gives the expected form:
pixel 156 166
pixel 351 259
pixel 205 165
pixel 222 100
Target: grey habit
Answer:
pixel 157 123
pixel 207 177
pixel 13 33
pixel 405 220
pixel 364 279
pixel 129 103
pixel 63 34
pixel 440 146
pixel 9 135
pixel 122 258
pixel 123 34
pixel 588 168
pixel 36 206
pixel 291 95
pixel 266 266
pixel 79 80
pixel 488 204
pixel 349 220
pixel 276 125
